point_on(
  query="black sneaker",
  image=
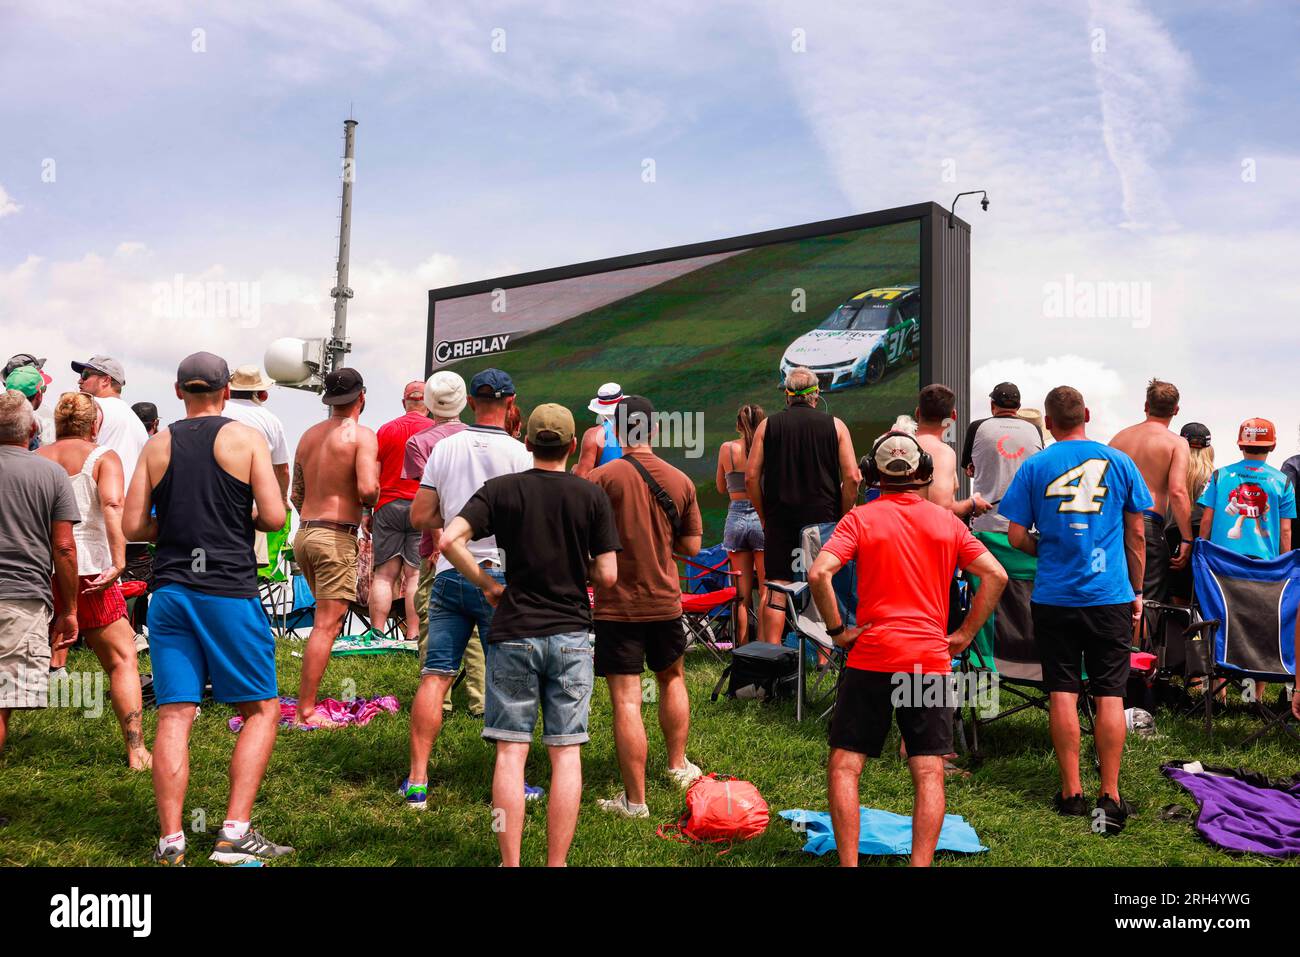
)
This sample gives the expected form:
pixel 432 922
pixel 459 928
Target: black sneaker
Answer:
pixel 1110 816
pixel 1074 806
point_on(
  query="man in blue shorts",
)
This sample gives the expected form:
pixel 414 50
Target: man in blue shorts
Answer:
pixel 1086 500
pixel 200 489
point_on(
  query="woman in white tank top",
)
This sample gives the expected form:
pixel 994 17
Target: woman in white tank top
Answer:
pixel 97 485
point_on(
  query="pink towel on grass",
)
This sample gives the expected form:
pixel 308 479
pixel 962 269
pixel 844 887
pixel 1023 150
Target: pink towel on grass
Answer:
pixel 358 711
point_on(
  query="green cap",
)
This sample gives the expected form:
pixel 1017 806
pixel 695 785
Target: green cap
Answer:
pixel 27 380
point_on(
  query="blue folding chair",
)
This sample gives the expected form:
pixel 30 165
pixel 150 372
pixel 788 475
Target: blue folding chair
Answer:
pixel 1244 619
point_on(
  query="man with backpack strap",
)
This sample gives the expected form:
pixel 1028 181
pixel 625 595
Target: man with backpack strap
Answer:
pixel 637 620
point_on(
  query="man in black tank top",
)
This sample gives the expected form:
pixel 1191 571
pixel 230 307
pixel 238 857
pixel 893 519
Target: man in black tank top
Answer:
pixel 193 493
pixel 801 472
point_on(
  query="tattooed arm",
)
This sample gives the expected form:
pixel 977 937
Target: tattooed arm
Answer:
pixel 299 490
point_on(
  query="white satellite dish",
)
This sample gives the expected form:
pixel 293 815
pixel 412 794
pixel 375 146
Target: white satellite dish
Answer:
pixel 295 363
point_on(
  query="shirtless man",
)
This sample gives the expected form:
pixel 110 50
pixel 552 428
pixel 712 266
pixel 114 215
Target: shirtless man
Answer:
pixel 1161 456
pixel 335 475
pixel 935 409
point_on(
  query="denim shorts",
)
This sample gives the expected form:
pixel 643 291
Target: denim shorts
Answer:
pixel 456 606
pixel 743 531
pixel 554 672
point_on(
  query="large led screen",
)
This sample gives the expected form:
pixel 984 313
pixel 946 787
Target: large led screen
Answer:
pixel 702 336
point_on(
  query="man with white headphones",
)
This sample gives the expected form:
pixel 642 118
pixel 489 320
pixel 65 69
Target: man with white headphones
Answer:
pixel 899 664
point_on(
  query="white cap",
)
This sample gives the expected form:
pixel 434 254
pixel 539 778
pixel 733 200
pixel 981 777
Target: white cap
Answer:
pixel 444 394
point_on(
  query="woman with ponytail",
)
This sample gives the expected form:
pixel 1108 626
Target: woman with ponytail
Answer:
pixel 743 534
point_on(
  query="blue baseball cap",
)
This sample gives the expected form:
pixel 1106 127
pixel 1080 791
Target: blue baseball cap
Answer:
pixel 491 384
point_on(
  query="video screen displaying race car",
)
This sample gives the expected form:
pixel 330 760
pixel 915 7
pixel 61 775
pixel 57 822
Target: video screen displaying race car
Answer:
pixel 862 339
pixel 703 335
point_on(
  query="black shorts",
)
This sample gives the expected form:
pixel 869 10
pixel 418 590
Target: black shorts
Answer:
pixel 628 647
pixel 783 542
pixel 1098 637
pixel 922 705
pixel 1155 584
pixel 1179 583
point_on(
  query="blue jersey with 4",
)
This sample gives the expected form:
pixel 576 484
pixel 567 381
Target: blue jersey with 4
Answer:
pixel 1076 493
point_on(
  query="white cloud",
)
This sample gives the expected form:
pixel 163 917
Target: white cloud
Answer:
pixel 8 205
pixel 1142 80
pixel 1074 149
pixel 110 305
pixel 1102 388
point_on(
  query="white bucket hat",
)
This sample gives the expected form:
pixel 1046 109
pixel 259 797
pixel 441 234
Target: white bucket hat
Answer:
pixel 608 396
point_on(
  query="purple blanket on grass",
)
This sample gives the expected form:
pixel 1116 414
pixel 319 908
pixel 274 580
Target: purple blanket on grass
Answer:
pixel 1241 810
pixel 358 711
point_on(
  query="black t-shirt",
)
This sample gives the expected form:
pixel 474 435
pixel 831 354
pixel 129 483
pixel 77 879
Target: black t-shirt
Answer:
pixel 548 527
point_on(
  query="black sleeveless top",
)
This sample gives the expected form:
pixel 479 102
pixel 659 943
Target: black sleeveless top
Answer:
pixel 801 466
pixel 205 517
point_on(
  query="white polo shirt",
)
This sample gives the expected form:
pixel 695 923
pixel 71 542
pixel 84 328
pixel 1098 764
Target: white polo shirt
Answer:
pixel 123 432
pixel 265 421
pixel 458 467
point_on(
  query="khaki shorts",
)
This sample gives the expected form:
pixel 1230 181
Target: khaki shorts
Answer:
pixel 328 559
pixel 24 653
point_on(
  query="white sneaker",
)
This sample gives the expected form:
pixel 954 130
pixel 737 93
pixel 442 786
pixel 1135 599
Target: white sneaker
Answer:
pixel 686 776
pixel 621 807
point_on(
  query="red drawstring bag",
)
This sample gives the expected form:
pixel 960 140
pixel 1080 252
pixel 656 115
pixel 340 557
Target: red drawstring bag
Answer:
pixel 719 808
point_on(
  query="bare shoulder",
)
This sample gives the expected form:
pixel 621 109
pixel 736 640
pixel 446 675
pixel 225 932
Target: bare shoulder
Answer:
pixel 159 446
pixel 1123 437
pixel 237 435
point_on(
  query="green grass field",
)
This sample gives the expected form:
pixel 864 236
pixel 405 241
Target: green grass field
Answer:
pixel 331 794
pixel 710 341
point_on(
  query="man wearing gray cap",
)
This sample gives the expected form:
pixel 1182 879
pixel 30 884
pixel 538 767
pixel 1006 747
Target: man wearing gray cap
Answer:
pixel 204 484
pixel 122 431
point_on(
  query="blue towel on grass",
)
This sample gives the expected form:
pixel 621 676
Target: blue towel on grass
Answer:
pixel 882 832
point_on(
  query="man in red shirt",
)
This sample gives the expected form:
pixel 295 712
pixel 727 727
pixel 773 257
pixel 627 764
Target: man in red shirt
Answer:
pixel 900 654
pixel 396 540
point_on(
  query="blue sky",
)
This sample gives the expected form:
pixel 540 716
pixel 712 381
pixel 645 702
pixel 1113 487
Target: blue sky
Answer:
pixel 1111 136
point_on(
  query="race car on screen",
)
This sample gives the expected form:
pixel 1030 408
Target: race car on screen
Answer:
pixel 862 339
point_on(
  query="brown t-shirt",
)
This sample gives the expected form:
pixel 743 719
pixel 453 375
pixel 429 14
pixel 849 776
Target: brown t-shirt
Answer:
pixel 648 588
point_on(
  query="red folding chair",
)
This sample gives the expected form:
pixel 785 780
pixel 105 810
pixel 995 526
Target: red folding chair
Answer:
pixel 710 616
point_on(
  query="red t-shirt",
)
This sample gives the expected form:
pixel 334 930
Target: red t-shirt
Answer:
pixel 392 438
pixel 906 549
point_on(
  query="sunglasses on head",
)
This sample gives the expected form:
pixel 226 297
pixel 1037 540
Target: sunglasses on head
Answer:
pixel 89 373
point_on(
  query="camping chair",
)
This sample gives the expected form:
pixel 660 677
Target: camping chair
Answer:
pixel 1246 611
pixel 804 622
pixel 1004 650
pixel 710 601
pixel 274 588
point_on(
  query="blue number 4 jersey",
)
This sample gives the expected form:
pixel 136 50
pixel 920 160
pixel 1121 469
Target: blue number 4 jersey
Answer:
pixel 1076 493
